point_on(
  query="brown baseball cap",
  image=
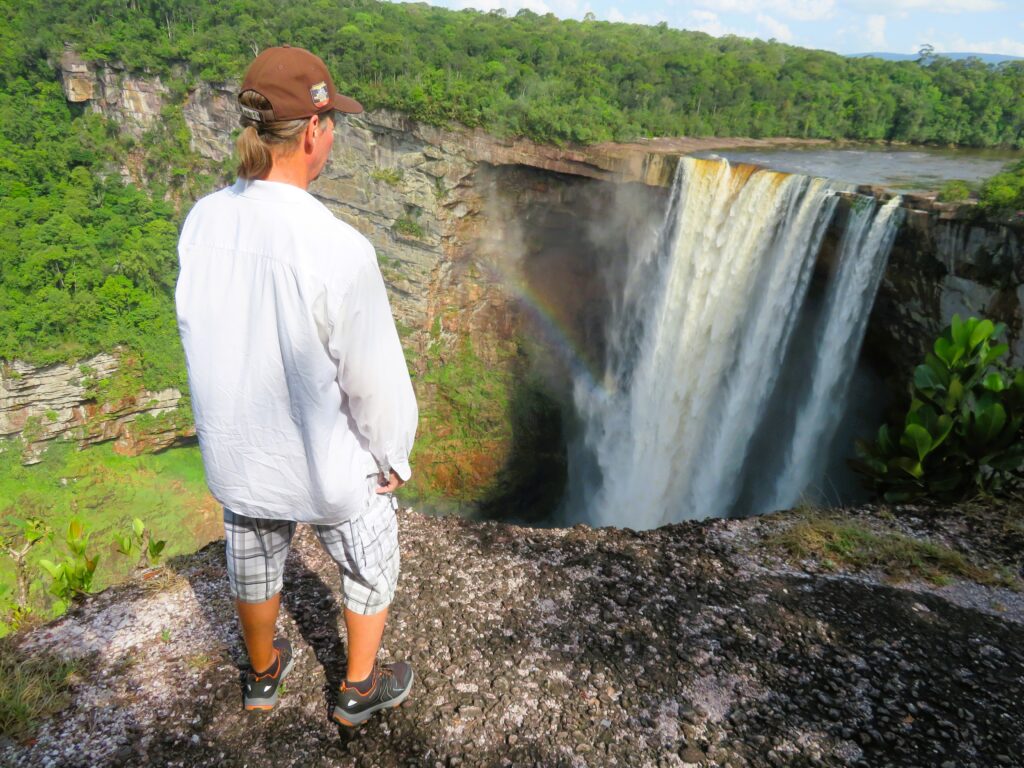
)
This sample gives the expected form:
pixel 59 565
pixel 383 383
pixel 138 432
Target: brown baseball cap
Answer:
pixel 296 83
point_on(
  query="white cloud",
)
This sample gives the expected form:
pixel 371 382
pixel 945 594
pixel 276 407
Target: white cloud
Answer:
pixel 706 21
pixel 1004 46
pixel 775 28
pixel 874 31
pixel 936 6
pixel 800 10
pixel 614 14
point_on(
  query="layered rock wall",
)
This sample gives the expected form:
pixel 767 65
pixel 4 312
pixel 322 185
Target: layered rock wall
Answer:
pixel 132 99
pixel 946 261
pixel 59 402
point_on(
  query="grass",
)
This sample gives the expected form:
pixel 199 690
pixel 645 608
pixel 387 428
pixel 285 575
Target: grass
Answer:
pixel 409 227
pixel 105 491
pixel 464 429
pixel 837 542
pixel 199 662
pixel 390 176
pixel 31 689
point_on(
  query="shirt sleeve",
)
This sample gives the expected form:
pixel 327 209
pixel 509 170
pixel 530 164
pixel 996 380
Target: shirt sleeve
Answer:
pixel 372 371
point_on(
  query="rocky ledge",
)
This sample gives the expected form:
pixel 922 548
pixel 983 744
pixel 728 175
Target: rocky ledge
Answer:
pixel 690 644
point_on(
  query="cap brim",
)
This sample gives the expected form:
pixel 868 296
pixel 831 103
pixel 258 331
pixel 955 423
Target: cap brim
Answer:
pixel 346 105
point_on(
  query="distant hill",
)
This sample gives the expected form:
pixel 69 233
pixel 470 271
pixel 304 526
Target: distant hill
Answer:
pixel 988 58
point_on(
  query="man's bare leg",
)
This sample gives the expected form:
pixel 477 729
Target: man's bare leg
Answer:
pixel 258 622
pixel 364 636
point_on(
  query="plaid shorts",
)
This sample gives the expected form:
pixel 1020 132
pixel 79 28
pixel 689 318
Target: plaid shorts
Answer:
pixel 365 549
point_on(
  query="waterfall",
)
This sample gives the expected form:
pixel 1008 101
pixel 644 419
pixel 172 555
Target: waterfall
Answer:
pixel 697 334
pixel 863 254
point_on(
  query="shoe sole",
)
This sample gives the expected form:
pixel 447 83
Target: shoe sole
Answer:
pixel 352 720
pixel 257 704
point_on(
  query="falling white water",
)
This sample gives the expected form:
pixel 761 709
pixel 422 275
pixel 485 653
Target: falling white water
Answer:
pixel 863 254
pixel 696 342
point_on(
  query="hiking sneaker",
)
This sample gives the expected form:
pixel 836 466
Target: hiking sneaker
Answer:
pixel 261 690
pixel 391 685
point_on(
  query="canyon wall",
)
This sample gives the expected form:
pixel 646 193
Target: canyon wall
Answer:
pixel 447 208
pixel 945 261
pixel 69 402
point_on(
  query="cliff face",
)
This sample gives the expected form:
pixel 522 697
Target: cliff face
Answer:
pixel 131 99
pixel 468 225
pixel 946 261
pixel 61 402
pixel 426 198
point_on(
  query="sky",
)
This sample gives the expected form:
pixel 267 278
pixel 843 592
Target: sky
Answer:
pixel 843 26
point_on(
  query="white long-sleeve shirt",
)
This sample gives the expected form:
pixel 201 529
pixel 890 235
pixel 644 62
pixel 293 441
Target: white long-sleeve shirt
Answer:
pixel 299 386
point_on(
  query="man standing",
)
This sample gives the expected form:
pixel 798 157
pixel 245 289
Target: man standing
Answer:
pixel 302 400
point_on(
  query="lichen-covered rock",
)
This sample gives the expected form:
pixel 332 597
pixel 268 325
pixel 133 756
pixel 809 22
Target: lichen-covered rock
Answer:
pixel 579 647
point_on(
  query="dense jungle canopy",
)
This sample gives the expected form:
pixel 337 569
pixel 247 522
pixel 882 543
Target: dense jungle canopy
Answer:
pixel 87 250
pixel 542 77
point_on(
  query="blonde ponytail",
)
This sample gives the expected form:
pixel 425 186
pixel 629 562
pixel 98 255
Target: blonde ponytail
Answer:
pixel 259 142
pixel 254 159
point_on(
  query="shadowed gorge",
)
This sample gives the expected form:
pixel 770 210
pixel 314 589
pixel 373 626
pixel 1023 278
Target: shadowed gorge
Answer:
pixel 663 320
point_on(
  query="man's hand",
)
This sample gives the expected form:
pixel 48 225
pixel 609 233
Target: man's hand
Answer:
pixel 393 484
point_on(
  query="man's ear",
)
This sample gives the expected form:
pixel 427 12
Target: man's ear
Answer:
pixel 311 131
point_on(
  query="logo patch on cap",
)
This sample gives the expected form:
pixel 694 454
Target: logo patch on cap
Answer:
pixel 252 114
pixel 319 94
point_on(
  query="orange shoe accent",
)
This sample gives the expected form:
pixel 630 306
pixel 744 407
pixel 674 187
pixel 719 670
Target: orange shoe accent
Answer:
pixel 262 707
pixel 266 674
pixel 345 687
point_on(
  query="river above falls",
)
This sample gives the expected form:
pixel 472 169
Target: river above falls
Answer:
pixel 900 169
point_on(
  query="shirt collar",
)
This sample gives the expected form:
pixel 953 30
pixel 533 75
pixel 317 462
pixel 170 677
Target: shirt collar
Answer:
pixel 257 189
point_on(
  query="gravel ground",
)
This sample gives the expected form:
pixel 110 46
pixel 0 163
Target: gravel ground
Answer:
pixel 565 647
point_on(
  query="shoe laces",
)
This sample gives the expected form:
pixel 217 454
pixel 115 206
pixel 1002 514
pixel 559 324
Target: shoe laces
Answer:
pixel 387 681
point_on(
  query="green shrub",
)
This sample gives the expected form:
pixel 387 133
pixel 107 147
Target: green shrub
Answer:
pixel 962 435
pixel 72 577
pixel 390 176
pixel 1004 192
pixel 14 607
pixel 409 227
pixel 139 543
pixel 954 191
